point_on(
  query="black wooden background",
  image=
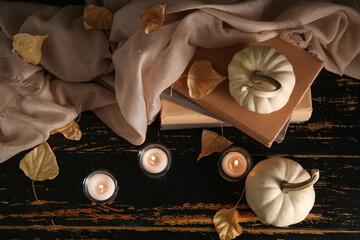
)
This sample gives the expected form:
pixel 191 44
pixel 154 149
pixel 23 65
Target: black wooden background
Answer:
pixel 181 205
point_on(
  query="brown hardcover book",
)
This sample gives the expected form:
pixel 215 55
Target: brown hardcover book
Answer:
pixel 179 113
pixel 174 116
pixel 262 127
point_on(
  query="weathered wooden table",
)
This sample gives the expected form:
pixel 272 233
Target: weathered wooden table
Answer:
pixel 181 205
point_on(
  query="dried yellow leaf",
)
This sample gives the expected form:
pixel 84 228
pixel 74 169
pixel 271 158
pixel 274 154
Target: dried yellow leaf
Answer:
pixel 153 18
pixel 97 17
pixel 226 223
pixel 212 142
pixel 202 79
pixel 70 131
pixel 29 47
pixel 40 164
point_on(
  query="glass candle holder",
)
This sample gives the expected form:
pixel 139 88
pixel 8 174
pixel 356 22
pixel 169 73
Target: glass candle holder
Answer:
pixel 155 160
pixel 100 187
pixel 234 164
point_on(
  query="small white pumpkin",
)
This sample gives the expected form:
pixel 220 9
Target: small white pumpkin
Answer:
pixel 261 79
pixel 280 191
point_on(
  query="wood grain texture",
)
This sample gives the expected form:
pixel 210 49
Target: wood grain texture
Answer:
pixel 181 205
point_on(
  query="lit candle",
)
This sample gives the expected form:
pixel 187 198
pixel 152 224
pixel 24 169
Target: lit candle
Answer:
pixel 155 160
pixel 234 164
pixel 100 187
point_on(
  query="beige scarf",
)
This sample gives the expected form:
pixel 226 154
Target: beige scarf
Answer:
pixel 93 70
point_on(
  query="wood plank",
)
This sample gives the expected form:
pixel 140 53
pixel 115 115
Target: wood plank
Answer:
pixel 165 202
pixel 182 204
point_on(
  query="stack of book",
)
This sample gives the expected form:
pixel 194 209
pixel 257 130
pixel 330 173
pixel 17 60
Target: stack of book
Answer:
pixel 180 111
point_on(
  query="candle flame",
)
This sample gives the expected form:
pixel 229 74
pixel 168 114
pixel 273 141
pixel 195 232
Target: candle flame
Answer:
pixel 153 160
pixel 236 162
pixel 101 188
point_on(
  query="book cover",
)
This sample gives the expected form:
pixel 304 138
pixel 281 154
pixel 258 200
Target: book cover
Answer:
pixel 179 112
pixel 262 127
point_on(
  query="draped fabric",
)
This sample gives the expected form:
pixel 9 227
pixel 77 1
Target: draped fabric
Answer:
pixel 104 72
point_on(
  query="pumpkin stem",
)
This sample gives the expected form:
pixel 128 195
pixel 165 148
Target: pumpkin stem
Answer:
pixel 289 187
pixel 258 77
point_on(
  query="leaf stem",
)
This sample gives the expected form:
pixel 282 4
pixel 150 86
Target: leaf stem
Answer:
pixel 9 55
pixel 140 41
pixel 79 117
pixel 33 187
pixel 171 88
pixel 242 194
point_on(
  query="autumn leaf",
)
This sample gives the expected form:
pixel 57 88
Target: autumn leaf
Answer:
pixel 97 17
pixel 40 164
pixel 226 223
pixel 202 79
pixel 153 18
pixel 70 131
pixel 212 142
pixel 29 47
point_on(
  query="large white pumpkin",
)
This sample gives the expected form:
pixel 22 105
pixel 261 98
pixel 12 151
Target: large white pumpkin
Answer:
pixel 280 191
pixel 261 79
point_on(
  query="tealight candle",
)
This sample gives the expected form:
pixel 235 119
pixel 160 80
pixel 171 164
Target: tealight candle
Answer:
pixel 100 187
pixel 155 160
pixel 234 164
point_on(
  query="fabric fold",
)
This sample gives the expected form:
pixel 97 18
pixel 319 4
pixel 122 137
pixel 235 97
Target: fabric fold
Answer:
pixel 104 72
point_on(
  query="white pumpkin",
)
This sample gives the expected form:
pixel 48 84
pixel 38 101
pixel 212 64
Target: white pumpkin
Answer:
pixel 261 79
pixel 280 191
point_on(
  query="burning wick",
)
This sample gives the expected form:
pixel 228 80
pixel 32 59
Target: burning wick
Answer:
pixel 100 187
pixel 154 160
pixel 234 164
